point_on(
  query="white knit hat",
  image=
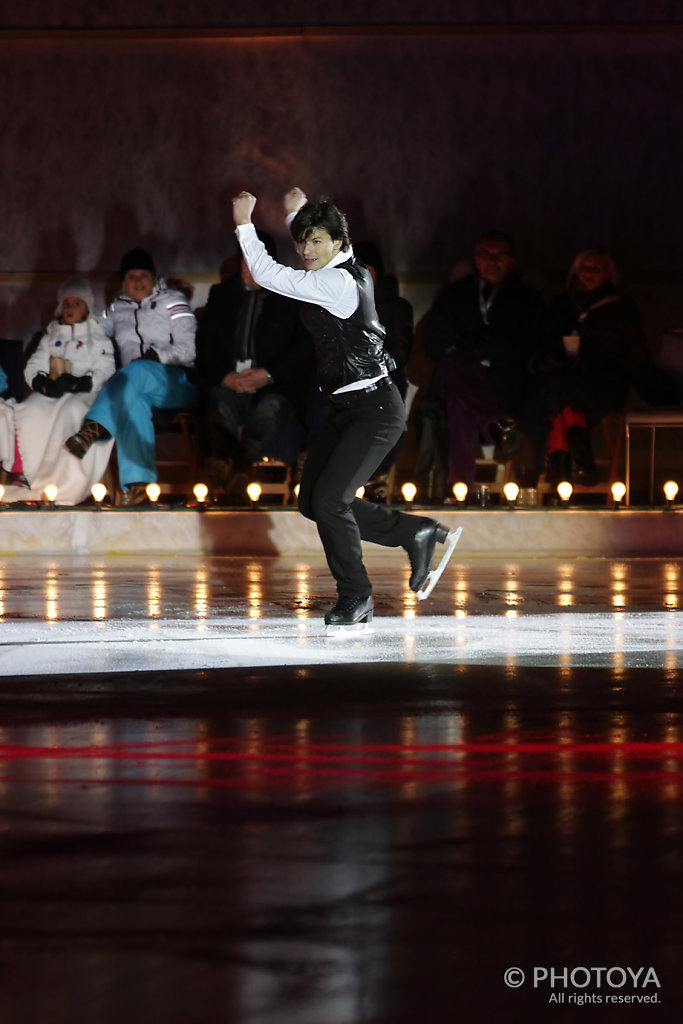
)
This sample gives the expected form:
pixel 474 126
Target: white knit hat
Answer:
pixel 77 288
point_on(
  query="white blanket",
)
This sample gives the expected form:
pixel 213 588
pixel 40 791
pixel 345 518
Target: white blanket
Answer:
pixel 42 426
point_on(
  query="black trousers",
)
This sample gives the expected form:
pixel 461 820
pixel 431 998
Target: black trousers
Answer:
pixel 361 430
pixel 262 416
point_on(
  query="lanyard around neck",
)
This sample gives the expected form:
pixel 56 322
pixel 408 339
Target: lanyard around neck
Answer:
pixel 486 303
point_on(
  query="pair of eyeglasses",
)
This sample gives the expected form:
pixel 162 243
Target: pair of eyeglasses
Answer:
pixel 490 254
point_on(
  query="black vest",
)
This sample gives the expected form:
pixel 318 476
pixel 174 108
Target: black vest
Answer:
pixel 352 349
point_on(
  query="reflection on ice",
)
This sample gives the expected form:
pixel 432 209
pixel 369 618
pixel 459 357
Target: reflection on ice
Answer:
pixel 254 589
pixel 201 593
pixel 51 594
pixel 99 595
pixel 153 592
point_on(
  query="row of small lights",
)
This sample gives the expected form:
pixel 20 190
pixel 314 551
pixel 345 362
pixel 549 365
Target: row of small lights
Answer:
pixel 409 492
pixel 99 493
pixel 153 491
pixel 564 491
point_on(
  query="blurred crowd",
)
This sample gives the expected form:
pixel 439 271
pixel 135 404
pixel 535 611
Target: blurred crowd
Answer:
pixel 523 380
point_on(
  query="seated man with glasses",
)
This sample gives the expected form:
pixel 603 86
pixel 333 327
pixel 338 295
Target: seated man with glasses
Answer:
pixel 481 332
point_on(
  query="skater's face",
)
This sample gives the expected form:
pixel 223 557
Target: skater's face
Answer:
pixel 73 310
pixel 318 248
pixel 138 284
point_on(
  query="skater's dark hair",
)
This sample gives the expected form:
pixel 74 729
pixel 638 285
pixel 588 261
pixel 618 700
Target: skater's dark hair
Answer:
pixel 322 214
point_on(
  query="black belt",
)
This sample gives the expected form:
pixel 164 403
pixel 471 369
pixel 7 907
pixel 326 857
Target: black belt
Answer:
pixel 347 397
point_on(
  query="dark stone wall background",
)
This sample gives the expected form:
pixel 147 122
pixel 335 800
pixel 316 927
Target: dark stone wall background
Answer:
pixel 564 136
pixel 59 13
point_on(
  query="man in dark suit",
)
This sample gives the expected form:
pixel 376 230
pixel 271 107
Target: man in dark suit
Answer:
pixel 482 331
pixel 255 364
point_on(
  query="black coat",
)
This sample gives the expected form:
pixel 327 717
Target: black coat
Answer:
pixel 282 346
pixel 505 344
pixel 396 317
pixel 613 353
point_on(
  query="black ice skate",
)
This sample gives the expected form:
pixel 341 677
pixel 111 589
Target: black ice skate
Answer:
pixel 350 612
pixel 434 575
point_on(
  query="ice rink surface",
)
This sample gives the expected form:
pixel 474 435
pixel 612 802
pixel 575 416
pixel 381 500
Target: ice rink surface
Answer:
pixel 214 811
pixel 74 615
pixel 645 639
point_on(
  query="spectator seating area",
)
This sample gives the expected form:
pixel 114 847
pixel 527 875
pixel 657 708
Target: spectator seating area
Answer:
pixel 636 445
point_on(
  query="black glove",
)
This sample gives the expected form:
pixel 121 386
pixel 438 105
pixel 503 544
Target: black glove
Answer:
pixel 72 384
pixel 45 385
pixel 152 354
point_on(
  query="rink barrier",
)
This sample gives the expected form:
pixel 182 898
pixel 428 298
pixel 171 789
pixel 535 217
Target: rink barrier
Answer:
pixel 527 533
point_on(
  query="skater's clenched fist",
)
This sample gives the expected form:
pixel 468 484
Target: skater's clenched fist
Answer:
pixel 243 207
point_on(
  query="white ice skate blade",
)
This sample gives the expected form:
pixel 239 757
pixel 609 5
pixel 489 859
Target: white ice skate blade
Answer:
pixel 435 574
pixel 353 629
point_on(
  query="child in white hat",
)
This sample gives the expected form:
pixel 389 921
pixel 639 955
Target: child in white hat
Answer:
pixel 73 359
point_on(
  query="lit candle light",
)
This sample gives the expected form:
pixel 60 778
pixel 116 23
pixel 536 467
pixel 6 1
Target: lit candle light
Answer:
pixel 670 492
pixel 153 491
pixel 200 492
pixel 409 491
pixel 618 492
pixel 460 493
pixel 564 489
pixel 254 492
pixel 51 493
pixel 511 491
pixel 99 493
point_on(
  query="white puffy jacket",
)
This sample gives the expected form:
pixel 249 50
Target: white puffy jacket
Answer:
pixel 162 321
pixel 84 345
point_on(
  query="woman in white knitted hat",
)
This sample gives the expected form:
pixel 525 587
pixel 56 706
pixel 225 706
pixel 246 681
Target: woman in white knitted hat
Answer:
pixel 72 361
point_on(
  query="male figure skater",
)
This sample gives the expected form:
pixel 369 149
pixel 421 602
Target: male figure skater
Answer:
pixel 367 416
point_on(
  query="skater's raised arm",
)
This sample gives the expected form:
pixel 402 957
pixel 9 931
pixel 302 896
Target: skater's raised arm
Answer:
pixel 335 289
pixel 243 207
pixel 293 201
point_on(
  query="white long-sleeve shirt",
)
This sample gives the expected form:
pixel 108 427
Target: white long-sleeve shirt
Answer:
pixel 331 287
